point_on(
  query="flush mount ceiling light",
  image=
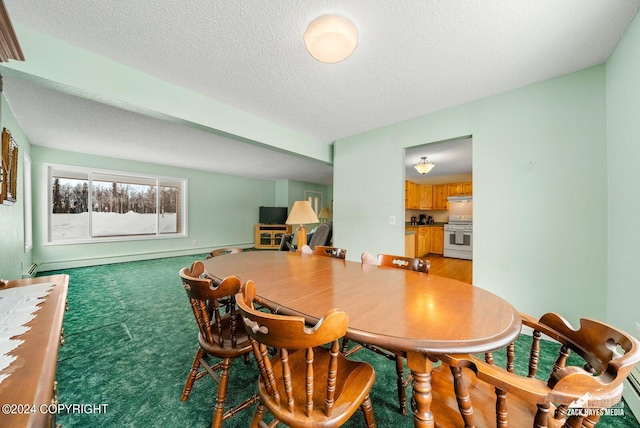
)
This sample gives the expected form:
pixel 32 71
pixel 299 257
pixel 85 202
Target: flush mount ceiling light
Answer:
pixel 331 38
pixel 424 166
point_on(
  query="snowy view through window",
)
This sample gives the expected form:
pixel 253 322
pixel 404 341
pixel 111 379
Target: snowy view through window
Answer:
pixel 119 206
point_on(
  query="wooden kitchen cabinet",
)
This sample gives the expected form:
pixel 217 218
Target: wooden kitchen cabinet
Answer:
pixel 440 194
pixel 410 244
pixel 415 240
pixel 464 188
pixel 407 194
pixel 422 240
pixel 467 188
pixel 415 195
pixel 411 195
pixel 433 196
pixel 437 240
pixel 426 196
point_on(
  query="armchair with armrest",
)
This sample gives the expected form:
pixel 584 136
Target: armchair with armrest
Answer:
pixel 583 376
pixel 321 236
pixel 304 384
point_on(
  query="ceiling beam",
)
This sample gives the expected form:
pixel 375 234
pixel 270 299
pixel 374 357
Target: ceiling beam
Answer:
pixel 60 66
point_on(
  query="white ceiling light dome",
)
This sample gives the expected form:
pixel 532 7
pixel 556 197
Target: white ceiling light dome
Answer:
pixel 331 38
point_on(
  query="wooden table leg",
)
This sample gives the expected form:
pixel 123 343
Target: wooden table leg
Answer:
pixel 421 367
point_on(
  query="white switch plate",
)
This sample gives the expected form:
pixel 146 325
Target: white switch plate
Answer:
pixel 392 220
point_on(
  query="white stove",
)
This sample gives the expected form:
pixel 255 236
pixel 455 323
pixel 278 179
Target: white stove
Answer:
pixel 458 237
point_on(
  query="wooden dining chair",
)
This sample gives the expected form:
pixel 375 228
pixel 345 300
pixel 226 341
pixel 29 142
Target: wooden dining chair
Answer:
pixel 335 252
pixel 224 251
pixel 567 378
pixel 401 262
pixel 305 384
pixel 220 335
pixel 410 263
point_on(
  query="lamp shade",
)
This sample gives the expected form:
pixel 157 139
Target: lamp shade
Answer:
pixel 302 213
pixel 331 38
pixel 325 213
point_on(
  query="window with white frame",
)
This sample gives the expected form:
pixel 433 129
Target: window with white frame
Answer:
pixel 89 205
pixel 28 226
pixel 315 200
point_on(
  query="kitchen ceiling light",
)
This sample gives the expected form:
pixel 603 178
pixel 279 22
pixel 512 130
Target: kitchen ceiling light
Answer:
pixel 331 38
pixel 424 166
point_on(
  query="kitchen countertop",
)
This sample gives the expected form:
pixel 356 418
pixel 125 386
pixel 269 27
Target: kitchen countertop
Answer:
pixel 436 224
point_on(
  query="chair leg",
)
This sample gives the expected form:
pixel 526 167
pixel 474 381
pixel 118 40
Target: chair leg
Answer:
pixel 576 421
pixel 345 351
pixel 402 386
pixel 258 415
pixel 218 414
pixel 462 397
pixel 367 409
pixel 193 373
pixel 502 411
pixel 591 420
pixel 345 346
pixel 540 420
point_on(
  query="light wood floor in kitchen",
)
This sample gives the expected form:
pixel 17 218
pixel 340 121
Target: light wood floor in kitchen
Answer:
pixel 451 268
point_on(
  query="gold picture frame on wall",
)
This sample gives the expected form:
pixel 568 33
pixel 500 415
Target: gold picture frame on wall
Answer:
pixel 9 169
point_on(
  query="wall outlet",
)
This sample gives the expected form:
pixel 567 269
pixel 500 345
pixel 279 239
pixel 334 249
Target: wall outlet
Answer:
pixel 195 243
pixel 638 330
pixel 392 220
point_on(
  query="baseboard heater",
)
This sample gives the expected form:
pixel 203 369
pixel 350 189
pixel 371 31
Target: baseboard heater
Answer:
pixel 634 380
pixel 632 392
pixel 33 270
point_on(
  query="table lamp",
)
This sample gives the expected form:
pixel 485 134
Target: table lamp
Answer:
pixel 325 214
pixel 301 214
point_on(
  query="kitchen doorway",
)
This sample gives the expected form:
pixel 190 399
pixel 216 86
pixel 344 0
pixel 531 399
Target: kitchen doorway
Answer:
pixel 434 200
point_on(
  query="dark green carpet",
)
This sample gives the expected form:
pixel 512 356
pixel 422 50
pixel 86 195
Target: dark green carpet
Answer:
pixel 131 339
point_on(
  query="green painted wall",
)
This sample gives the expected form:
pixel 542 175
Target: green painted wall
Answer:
pixel 14 261
pixel 289 191
pixel 540 191
pixel 222 210
pixel 623 155
pixel 282 193
pixel 296 191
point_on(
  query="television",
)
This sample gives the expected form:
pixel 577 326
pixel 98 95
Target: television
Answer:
pixel 273 215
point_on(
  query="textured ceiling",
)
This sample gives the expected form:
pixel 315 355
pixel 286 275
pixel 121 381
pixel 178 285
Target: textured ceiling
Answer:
pixel 413 57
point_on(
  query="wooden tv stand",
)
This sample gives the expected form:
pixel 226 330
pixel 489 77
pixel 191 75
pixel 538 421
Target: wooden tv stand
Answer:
pixel 268 236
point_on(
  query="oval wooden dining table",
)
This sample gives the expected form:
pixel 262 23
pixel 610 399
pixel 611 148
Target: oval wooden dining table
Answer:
pixel 421 314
